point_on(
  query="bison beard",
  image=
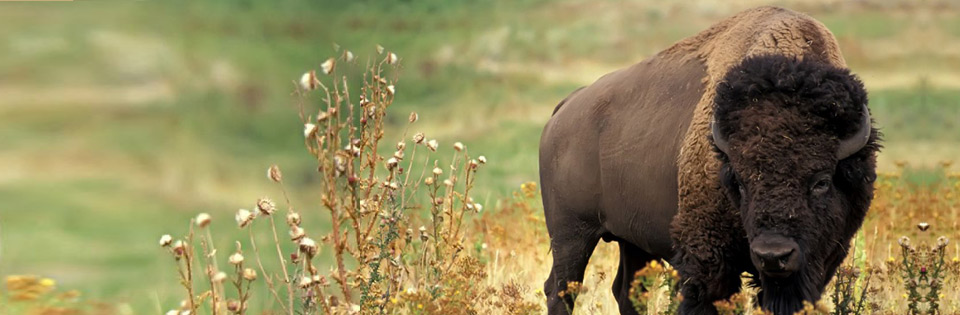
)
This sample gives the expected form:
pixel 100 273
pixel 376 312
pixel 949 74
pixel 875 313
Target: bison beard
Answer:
pixel 786 296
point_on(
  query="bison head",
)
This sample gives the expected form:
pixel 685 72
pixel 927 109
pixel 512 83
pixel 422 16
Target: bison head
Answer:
pixel 798 162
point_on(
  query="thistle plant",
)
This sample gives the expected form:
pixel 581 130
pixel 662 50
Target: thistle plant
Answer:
pixel 849 293
pixel 396 219
pixel 655 283
pixel 923 269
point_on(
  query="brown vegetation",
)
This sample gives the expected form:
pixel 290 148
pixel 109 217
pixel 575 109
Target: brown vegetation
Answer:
pixel 409 238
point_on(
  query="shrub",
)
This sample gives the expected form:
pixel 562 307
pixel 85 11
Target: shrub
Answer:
pixel 399 221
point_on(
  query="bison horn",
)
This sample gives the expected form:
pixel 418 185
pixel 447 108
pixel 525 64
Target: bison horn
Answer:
pixel 847 146
pixel 851 145
pixel 719 139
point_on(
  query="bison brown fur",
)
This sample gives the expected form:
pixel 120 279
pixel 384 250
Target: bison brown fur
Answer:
pixel 745 148
pixel 783 118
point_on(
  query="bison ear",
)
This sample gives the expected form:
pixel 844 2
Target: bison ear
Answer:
pixel 719 139
pixel 853 144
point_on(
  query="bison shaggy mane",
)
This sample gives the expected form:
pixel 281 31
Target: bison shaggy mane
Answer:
pixel 814 88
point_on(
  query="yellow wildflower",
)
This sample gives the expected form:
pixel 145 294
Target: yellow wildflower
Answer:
pixel 47 282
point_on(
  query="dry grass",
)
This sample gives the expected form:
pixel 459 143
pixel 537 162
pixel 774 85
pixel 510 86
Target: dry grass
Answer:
pixel 403 224
pixel 135 164
pixel 409 238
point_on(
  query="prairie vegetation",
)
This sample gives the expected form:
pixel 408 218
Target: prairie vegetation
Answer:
pixel 124 123
pixel 384 264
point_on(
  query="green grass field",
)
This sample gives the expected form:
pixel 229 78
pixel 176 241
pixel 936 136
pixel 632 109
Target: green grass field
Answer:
pixel 119 122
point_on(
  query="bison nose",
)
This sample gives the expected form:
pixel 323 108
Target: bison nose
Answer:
pixel 775 255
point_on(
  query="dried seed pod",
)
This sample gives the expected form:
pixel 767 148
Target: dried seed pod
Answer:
pixel 296 233
pixel 458 146
pixel 418 138
pixel 233 306
pixel 482 159
pixel 273 173
pixel 423 233
pixel 249 274
pixel 340 163
pixel 413 117
pixel 437 171
pixel 219 277
pixel 203 220
pixel 392 58
pixel 328 65
pixel 309 130
pixel 308 246
pixel 309 81
pixel 904 241
pixel 244 217
pixel 942 241
pixel 179 247
pixel 432 145
pixel 236 259
pixel 266 206
pixel 166 240
pixel 305 282
pixel 293 219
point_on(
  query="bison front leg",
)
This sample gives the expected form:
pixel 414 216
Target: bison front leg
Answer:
pixel 703 281
pixel 710 246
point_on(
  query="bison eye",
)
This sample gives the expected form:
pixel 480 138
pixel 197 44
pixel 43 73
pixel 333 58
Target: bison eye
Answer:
pixel 821 186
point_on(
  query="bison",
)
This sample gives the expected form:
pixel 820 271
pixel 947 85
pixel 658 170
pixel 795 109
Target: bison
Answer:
pixel 748 147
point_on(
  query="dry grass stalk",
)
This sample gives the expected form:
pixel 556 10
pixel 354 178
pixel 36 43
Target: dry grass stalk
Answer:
pixel 407 236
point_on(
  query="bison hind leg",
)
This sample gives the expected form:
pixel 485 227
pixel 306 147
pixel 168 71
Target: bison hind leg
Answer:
pixel 571 253
pixel 632 259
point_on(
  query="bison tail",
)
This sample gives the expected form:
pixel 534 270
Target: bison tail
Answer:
pixel 564 101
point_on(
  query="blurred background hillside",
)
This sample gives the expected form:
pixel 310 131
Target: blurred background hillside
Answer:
pixel 120 121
